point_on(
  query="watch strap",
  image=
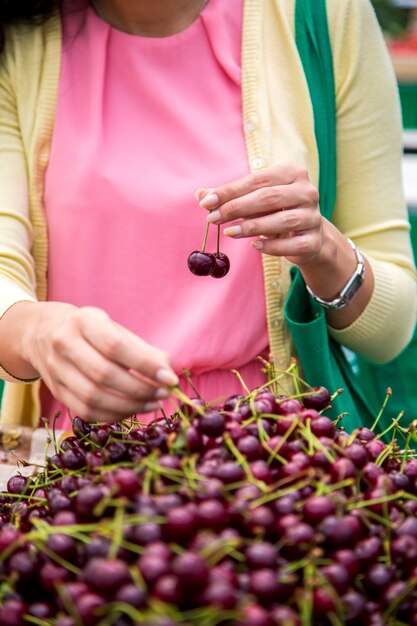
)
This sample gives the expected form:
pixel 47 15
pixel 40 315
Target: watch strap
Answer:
pixel 351 288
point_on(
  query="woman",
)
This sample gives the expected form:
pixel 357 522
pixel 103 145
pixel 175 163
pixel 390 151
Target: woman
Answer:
pixel 113 115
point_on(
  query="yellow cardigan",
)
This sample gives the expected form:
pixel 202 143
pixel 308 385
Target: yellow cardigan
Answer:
pixel 278 124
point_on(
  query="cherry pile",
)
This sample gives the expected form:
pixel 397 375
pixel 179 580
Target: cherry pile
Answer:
pixel 258 512
pixel 202 263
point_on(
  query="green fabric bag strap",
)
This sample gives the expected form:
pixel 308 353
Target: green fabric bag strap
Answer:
pixel 313 42
pixel 323 360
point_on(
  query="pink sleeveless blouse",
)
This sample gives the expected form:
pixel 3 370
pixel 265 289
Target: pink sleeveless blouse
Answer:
pixel 141 124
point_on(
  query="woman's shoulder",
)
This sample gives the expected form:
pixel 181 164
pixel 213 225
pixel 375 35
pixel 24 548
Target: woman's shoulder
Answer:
pixel 353 25
pixel 29 70
pixel 343 13
pixel 30 42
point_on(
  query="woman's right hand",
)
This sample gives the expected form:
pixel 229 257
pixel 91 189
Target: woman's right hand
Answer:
pixel 98 369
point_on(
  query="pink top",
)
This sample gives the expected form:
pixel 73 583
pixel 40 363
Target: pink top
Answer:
pixel 141 124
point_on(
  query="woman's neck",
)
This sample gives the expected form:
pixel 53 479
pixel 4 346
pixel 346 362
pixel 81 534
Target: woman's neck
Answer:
pixel 149 18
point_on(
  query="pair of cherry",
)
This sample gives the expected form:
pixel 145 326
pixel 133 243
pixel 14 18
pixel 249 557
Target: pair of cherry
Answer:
pixel 202 263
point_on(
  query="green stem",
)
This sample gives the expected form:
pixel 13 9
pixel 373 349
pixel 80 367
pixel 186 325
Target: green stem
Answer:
pixel 34 620
pixel 118 532
pixel 269 497
pixel 313 442
pixel 242 382
pixel 273 454
pixel 393 606
pixel 383 455
pixel 124 609
pixel 54 557
pixel 305 604
pixel 180 395
pixel 378 417
pixel 243 462
pixel 22 496
pixel 69 604
pixel 383 500
pixel 219 549
pixel 405 455
pixel 323 488
pixel 190 473
pixel 296 378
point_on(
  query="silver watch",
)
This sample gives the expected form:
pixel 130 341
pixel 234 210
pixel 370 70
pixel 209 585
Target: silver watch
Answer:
pixel 350 289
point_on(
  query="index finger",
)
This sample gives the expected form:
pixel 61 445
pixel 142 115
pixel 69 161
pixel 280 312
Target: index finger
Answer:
pixel 128 350
pixel 284 174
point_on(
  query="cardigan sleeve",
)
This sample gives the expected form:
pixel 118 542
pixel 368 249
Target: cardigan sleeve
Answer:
pixel 370 206
pixel 17 275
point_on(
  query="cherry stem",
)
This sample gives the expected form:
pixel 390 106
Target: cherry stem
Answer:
pixel 55 557
pixel 394 427
pixel 242 382
pixel 387 397
pixel 119 520
pixel 218 240
pixel 405 454
pixel 187 376
pixel 68 603
pixel 203 249
pixel 382 500
pixel 182 397
pixel 34 620
pixel 383 455
pixel 54 422
pixel 243 463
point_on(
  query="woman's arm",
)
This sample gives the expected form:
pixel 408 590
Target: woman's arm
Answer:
pixel 280 206
pixel 17 272
pixel 94 366
pixel 370 204
pixel 98 369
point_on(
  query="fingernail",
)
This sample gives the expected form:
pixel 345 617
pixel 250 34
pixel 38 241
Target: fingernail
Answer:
pixel 162 394
pixel 233 231
pixel 213 217
pixel 210 201
pixel 258 245
pixel 199 193
pixel 167 377
pixel 151 406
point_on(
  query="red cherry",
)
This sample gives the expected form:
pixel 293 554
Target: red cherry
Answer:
pixel 221 266
pixel 201 263
pixel 319 398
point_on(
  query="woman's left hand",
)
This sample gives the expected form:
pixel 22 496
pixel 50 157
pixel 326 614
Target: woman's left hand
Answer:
pixel 278 205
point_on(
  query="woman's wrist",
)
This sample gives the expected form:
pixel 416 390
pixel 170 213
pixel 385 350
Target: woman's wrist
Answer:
pixel 328 273
pixel 20 331
pixel 36 321
pixel 15 327
pixel 350 289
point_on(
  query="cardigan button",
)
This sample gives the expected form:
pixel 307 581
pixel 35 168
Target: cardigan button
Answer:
pixel 249 127
pixel 257 163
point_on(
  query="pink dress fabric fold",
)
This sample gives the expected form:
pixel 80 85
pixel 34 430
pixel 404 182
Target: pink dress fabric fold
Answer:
pixel 141 124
